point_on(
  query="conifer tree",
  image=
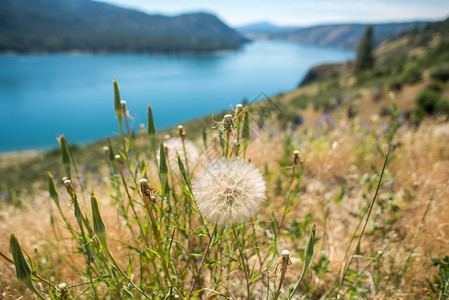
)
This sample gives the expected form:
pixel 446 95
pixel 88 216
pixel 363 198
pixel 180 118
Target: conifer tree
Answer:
pixel 365 58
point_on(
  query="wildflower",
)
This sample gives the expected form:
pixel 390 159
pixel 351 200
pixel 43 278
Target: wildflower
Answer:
pixel 229 191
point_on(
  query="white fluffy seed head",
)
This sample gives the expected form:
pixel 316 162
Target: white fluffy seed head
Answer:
pixel 285 253
pixel 143 180
pixel 174 145
pixel 229 192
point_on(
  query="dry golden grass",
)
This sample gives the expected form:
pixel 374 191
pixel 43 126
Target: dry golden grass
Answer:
pixel 337 156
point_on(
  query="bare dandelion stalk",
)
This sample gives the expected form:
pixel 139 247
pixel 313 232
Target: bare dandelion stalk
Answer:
pixel 182 135
pixel 148 194
pixel 241 247
pixel 245 131
pixel 227 124
pixel 297 160
pixel 201 266
pixel 282 263
pixel 238 116
pixel 119 163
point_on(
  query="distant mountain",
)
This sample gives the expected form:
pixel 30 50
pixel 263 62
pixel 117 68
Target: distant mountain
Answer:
pixel 84 25
pixel 345 36
pixel 262 29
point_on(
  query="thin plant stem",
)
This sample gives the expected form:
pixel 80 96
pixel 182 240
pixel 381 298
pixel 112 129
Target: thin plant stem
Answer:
pixel 201 266
pixel 287 200
pixel 158 240
pixel 370 208
pixel 242 258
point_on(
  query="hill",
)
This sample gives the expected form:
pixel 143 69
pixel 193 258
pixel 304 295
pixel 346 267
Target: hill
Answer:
pixel 345 36
pixel 84 25
pixel 262 30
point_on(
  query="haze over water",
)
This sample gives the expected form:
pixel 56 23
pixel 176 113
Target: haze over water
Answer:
pixel 44 96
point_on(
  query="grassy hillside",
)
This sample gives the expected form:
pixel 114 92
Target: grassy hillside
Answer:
pixel 345 36
pixel 367 191
pixel 84 25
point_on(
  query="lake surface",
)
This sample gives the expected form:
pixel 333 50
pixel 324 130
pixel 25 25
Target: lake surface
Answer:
pixel 44 96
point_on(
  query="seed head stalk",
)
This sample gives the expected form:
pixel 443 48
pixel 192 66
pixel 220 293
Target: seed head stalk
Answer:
pixel 131 140
pixel 241 246
pixel 182 135
pixel 227 124
pixel 201 266
pixel 238 115
pixel 119 163
pixel 283 263
pixel 297 160
pixel 148 194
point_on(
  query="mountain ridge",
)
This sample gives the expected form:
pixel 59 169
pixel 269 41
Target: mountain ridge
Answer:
pixel 84 25
pixel 344 36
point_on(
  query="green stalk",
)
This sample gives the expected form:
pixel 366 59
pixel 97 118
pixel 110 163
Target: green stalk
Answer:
pixel 201 266
pixel 242 258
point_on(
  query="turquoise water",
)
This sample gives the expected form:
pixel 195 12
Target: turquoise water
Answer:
pixel 44 96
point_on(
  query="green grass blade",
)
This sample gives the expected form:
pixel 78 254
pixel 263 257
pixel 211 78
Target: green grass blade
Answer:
pixel 307 260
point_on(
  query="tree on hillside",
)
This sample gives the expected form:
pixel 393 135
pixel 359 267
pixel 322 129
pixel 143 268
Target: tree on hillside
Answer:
pixel 365 58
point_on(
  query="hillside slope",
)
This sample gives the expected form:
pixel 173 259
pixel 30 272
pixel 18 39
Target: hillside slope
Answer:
pixel 56 25
pixel 345 36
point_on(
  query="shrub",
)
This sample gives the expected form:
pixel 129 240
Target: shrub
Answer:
pixel 411 74
pixel 429 102
pixel 395 85
pixel 441 73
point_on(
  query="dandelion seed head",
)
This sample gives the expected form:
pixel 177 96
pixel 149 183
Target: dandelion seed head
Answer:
pixel 229 192
pixel 285 253
pixel 174 145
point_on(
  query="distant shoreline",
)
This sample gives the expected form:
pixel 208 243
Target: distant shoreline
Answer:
pixel 19 153
pixel 106 52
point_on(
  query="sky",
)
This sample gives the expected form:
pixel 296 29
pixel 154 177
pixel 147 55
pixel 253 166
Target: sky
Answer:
pixel 298 12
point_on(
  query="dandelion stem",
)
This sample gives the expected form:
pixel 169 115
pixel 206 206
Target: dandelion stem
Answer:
pixel 157 238
pixel 242 258
pixel 206 253
pixel 284 265
pixel 287 200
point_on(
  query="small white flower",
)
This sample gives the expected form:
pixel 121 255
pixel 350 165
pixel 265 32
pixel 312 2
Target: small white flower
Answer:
pixel 229 192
